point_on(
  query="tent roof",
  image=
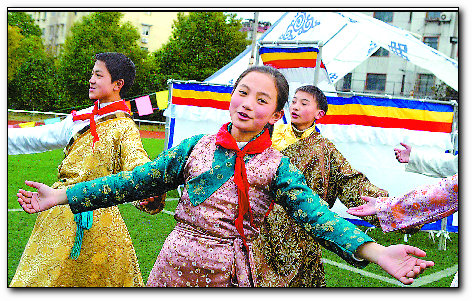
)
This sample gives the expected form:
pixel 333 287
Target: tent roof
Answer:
pixel 349 38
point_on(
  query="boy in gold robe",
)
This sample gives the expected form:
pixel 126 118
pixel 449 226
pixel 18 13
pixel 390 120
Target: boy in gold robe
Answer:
pixel 294 258
pixel 92 249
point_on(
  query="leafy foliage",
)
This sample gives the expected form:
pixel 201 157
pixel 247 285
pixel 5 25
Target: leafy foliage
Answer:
pixel 24 22
pixel 31 73
pixel 444 92
pixel 14 40
pixel 201 43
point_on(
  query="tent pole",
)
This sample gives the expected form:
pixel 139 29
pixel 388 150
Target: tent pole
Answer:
pixel 167 126
pixel 254 37
pixel 318 62
pixel 443 235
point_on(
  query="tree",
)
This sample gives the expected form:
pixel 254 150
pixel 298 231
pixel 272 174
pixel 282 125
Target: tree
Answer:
pixel 95 33
pixel 20 26
pixel 444 92
pixel 35 86
pixel 31 73
pixel 201 43
pixel 13 59
pixel 24 22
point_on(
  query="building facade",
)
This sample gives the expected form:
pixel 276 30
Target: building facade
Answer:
pixel 155 27
pixel 387 73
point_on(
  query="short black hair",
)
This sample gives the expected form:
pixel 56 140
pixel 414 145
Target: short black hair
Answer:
pixel 120 67
pixel 317 94
pixel 281 83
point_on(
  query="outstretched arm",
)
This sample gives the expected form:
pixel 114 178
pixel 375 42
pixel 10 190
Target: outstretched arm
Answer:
pixel 339 235
pixel 424 204
pixel 151 179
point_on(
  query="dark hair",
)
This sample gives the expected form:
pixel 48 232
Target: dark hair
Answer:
pixel 317 94
pixel 120 67
pixel 281 83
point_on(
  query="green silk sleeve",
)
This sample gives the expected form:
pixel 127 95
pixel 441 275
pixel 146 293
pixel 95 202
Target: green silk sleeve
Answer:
pixel 154 178
pixel 312 213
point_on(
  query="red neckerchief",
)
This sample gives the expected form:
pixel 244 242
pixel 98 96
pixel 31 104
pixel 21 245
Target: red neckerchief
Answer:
pixel 116 106
pixel 256 146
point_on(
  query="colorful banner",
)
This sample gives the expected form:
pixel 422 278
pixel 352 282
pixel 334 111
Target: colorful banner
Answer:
pixel 297 57
pixel 144 106
pixel 389 113
pixel 201 95
pixel 52 120
pixel 27 124
pixel 162 98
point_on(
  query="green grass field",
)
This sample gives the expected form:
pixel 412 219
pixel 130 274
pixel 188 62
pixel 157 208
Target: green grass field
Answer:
pixel 149 232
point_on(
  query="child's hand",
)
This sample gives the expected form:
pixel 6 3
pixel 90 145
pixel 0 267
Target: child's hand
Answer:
pixel 152 205
pixel 403 155
pixel 399 261
pixel 44 199
pixel 364 210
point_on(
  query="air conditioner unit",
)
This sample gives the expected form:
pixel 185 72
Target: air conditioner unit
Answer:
pixel 445 17
pixel 144 40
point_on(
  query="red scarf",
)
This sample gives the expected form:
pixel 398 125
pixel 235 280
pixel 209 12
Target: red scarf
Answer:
pixel 116 106
pixel 255 146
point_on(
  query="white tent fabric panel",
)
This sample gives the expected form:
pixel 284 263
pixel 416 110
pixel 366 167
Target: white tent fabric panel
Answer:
pixel 349 39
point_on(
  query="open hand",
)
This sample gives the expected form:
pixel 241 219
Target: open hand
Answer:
pixel 400 262
pixel 152 205
pixel 364 210
pixel 403 155
pixel 44 199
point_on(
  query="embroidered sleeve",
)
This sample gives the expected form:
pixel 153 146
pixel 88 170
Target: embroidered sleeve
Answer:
pixel 163 174
pixel 313 214
pixel 422 205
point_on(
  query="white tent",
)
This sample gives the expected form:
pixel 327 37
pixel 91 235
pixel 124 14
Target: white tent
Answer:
pixel 348 39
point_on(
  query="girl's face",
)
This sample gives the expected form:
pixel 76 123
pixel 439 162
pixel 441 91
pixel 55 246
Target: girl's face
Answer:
pixel 253 105
pixel 304 110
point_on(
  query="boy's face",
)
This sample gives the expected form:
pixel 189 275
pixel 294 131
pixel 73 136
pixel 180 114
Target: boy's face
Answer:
pixel 253 105
pixel 304 110
pixel 101 87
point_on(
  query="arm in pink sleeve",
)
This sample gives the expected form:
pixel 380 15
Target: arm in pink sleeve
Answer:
pixel 423 205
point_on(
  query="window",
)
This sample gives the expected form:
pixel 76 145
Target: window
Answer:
pixel 146 29
pixel 375 82
pixel 403 84
pixel 347 82
pixel 386 16
pixel 433 15
pixel 431 42
pixel 425 83
pixel 381 52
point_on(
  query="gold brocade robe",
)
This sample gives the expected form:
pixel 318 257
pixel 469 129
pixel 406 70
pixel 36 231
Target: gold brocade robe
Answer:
pixel 107 257
pixel 293 256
